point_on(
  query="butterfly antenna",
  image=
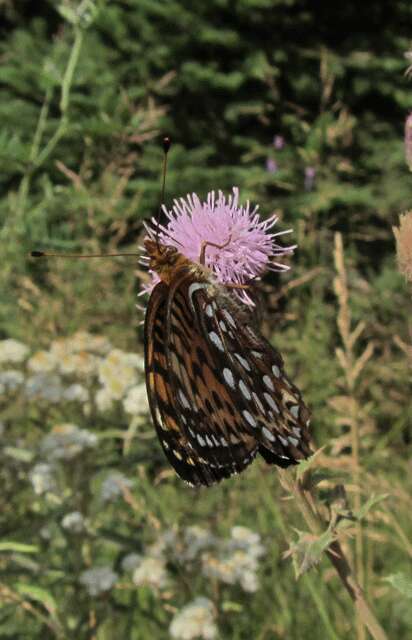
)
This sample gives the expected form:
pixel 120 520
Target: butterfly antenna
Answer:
pixel 166 146
pixel 44 254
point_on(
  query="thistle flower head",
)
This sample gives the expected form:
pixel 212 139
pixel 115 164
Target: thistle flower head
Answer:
pixel 239 246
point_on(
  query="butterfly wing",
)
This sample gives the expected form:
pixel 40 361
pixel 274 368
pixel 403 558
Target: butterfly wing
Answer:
pixel 212 423
pixel 265 399
pixel 169 419
pixel 217 389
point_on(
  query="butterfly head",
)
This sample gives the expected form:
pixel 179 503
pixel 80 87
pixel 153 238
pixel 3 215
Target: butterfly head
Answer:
pixel 164 259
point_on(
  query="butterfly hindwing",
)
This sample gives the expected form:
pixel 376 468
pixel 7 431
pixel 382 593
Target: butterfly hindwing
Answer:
pixel 266 399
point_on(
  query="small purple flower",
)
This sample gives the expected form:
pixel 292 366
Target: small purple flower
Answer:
pixel 310 174
pixel 278 142
pixel 249 246
pixel 408 141
pixel 271 165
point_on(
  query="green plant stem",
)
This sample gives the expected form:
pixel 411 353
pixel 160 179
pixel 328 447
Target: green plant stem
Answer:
pixel 64 100
pixel 334 553
pixel 310 582
pixel 37 158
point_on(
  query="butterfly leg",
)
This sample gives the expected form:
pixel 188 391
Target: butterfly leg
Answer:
pixel 205 244
pixel 232 285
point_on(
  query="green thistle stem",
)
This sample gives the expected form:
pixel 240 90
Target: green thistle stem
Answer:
pixel 305 499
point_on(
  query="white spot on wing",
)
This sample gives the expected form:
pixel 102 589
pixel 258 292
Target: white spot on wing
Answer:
pixel 258 402
pixel 283 441
pixel 276 371
pixel 268 434
pixel 295 410
pixel 228 376
pixel 222 326
pixel 272 404
pixel 229 318
pixel 248 416
pixel 209 310
pixel 166 446
pixel 268 382
pixel 209 442
pixel 216 340
pixel 245 390
pixel 293 441
pixel 243 362
pixel 200 440
pixel 223 442
pixel 184 401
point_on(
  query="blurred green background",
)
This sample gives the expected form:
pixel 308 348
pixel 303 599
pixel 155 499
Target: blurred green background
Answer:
pixel 302 106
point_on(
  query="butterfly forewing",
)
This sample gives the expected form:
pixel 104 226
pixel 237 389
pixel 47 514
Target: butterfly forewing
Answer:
pixel 212 421
pixel 170 417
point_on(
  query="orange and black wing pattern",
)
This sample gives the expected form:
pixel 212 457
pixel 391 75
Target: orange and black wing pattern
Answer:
pixel 217 389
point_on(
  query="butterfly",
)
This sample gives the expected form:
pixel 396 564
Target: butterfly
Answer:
pixel 217 389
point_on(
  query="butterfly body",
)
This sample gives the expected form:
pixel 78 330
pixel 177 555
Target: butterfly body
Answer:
pixel 217 389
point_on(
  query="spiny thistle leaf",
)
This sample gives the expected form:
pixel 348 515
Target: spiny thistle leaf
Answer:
pixel 401 582
pixel 305 465
pixel 369 504
pixel 307 551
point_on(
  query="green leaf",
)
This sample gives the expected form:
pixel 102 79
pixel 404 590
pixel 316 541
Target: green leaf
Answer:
pixel 308 550
pixel 39 595
pixel 401 582
pixel 22 455
pixel 19 547
pixel 364 510
pixel 229 605
pixel 305 465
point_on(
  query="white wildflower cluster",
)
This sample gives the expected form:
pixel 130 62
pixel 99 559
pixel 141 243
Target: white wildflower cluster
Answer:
pixel 98 580
pixel 236 560
pixel 150 572
pixel 43 479
pixel 83 369
pixel 10 381
pixel 150 569
pixel 121 377
pixel 195 540
pixel 66 441
pixel 73 522
pixel 195 620
pixel 113 485
pixel 182 546
pixel 13 351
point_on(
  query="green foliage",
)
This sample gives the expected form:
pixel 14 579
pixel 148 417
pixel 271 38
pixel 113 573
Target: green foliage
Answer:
pixel 86 90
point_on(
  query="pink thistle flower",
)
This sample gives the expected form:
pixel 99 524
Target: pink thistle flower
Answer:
pixel 250 246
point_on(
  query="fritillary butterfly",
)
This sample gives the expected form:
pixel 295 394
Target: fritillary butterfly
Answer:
pixel 217 389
